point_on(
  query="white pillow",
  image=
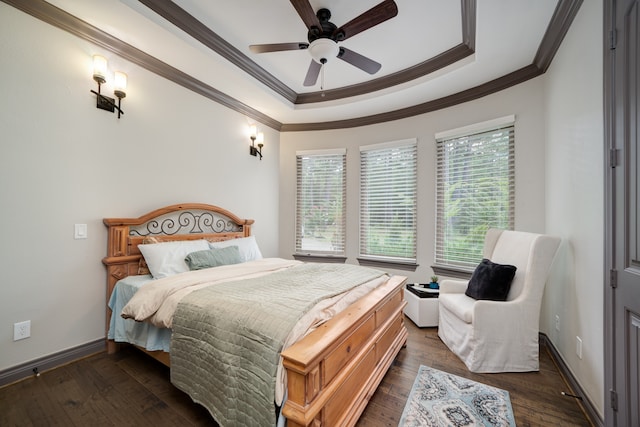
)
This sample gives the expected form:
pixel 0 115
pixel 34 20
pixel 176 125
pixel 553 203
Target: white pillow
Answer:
pixel 167 258
pixel 247 245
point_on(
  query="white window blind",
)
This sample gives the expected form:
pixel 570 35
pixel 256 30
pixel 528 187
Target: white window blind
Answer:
pixel 388 201
pixel 321 202
pixel 475 190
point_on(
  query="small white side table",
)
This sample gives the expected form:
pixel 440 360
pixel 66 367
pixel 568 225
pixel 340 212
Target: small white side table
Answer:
pixel 423 311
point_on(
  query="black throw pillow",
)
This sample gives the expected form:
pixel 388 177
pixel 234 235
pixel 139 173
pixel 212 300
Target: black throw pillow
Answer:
pixel 491 281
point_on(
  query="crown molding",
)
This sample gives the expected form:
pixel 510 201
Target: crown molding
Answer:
pixel 561 20
pixel 429 66
pixel 563 16
pixel 485 89
pixel 196 29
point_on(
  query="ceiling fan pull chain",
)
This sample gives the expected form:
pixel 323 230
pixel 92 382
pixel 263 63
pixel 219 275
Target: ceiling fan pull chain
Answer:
pixel 323 62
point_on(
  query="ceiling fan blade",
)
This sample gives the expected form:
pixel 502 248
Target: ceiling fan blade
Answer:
pixel 304 9
pixel 372 17
pixel 365 64
pixel 277 47
pixel 312 73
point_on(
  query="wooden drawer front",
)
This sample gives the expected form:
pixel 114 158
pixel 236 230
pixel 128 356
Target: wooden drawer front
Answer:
pixel 384 312
pixel 389 336
pixel 349 347
pixel 348 393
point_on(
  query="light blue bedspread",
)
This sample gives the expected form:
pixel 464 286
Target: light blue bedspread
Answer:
pixel 142 334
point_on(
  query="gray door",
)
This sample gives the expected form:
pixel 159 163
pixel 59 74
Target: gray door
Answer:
pixel 622 294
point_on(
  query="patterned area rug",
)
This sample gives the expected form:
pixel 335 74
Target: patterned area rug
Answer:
pixel 441 399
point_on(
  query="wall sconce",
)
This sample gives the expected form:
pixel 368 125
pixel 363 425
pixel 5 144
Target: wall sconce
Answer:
pixel 120 85
pixel 256 136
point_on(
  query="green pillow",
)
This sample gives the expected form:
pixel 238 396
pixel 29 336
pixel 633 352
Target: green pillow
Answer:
pixel 213 258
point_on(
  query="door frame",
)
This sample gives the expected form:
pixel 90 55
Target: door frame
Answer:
pixel 609 209
pixel 617 396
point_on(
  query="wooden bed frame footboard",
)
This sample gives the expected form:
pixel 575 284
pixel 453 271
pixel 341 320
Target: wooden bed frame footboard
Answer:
pixel 333 371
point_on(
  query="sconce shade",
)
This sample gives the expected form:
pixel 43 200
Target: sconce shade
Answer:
pixel 253 131
pixel 99 69
pixel 120 84
pixel 260 138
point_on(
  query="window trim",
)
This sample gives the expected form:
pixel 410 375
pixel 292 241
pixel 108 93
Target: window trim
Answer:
pixel 476 128
pixel 336 259
pixel 387 263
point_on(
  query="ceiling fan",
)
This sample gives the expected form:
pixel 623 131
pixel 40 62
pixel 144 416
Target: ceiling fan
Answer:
pixel 323 37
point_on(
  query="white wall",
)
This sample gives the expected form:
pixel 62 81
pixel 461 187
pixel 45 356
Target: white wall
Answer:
pixel 575 199
pixel 525 101
pixel 62 162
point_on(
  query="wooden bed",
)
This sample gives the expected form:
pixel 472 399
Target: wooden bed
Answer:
pixel 333 371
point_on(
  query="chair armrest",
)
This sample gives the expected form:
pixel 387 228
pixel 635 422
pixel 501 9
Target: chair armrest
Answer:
pixel 495 315
pixel 451 286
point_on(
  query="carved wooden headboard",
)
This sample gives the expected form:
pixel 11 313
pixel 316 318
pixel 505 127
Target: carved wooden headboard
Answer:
pixel 176 222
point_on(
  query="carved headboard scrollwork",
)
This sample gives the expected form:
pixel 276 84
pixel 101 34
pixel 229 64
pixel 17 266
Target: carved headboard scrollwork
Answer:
pixel 187 222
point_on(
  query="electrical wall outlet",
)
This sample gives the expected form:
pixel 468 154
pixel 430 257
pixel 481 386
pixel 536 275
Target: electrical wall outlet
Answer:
pixel 579 347
pixel 557 322
pixel 21 330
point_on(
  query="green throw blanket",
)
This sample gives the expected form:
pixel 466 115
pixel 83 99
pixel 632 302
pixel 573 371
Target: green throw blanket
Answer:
pixel 227 338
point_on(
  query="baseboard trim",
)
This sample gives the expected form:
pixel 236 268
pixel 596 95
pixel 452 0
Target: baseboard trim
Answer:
pixel 25 370
pixel 576 389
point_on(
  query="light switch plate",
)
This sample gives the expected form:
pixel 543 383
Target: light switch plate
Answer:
pixel 80 231
pixel 579 347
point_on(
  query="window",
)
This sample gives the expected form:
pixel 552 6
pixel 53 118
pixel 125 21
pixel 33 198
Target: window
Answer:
pixel 321 202
pixel 388 201
pixel 475 188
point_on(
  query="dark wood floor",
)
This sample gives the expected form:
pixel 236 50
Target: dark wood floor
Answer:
pixel 130 389
pixel 535 396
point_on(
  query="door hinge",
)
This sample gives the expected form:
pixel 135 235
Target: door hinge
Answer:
pixel 614 399
pixel 612 39
pixel 613 278
pixel 613 157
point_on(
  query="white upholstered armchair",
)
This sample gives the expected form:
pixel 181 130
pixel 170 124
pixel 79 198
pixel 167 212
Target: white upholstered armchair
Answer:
pixel 500 336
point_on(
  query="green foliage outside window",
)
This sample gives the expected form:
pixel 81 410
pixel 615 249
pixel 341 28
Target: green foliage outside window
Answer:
pixel 475 192
pixel 321 199
pixel 388 201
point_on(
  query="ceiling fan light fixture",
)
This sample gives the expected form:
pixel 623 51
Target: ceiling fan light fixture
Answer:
pixel 323 49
